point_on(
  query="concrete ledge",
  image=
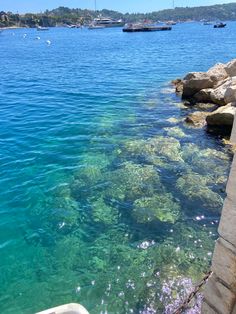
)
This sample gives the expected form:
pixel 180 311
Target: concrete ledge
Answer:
pixel 231 185
pixel 224 263
pixel 233 134
pixel 207 309
pixel 227 227
pixel 219 296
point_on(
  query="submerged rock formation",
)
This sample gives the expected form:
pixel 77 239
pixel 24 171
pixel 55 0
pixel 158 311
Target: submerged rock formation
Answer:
pixel 216 86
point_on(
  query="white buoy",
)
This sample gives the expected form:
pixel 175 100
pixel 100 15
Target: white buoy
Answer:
pixel 48 42
pixel 37 37
pixel 24 35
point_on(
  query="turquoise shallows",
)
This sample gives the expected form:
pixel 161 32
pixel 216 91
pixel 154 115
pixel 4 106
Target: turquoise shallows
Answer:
pixel 106 197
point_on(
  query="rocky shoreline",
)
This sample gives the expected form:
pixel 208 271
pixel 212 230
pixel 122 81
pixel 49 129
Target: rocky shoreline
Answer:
pixel 214 90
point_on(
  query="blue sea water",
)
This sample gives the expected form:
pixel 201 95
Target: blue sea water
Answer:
pixel 107 197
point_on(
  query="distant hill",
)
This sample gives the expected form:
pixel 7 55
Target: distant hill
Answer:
pixel 63 15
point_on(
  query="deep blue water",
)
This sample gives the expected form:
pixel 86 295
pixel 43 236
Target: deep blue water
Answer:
pixel 98 196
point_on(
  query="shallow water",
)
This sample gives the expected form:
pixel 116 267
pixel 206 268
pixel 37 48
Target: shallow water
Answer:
pixel 107 197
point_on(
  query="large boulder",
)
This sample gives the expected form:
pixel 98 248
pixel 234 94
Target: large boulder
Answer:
pixel 218 94
pixel 230 68
pixel 217 73
pixel 230 94
pixel 222 117
pixel 203 95
pixel 196 81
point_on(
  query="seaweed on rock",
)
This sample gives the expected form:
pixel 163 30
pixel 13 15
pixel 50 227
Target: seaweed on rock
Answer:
pixel 103 213
pixel 132 181
pixel 159 207
pixel 194 187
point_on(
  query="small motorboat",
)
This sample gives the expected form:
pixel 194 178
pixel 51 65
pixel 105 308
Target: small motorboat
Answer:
pixel 220 25
pixel 41 28
pixel 171 23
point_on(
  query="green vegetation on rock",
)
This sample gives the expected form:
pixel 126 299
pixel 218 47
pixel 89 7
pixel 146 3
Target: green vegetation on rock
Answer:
pixel 159 207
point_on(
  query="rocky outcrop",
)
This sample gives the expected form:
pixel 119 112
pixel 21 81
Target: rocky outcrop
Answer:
pixel 194 82
pixel 178 83
pixel 203 95
pixel 222 117
pixel 230 68
pixel 217 73
pixel 217 95
pixel 230 93
pixel 217 86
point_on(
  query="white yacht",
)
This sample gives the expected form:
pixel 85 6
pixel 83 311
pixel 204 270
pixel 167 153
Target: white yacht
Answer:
pixel 106 22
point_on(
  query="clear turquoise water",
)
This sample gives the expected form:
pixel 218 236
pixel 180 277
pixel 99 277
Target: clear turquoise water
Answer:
pixel 105 200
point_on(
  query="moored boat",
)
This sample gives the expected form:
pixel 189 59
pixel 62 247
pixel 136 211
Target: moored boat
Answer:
pixel 106 22
pixel 220 25
pixel 41 28
pixel 171 23
pixel 140 27
pixel 91 26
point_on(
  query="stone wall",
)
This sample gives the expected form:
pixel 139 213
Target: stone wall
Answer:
pixel 220 290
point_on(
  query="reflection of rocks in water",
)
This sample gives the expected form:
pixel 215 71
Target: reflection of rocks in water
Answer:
pixel 103 213
pixel 194 187
pixel 175 132
pixel 159 207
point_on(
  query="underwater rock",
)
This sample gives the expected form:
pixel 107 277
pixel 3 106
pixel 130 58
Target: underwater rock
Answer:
pixel 194 187
pixel 161 147
pixel 201 160
pixel 97 159
pixel 197 118
pixel 175 132
pixel 167 147
pixel 103 213
pixel 174 120
pixel 88 174
pixel 159 207
pixel 132 181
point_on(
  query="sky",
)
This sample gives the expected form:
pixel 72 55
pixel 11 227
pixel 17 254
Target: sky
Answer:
pixel 23 6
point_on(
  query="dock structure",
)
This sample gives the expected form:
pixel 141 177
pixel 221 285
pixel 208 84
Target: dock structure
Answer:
pixel 220 291
pixel 131 28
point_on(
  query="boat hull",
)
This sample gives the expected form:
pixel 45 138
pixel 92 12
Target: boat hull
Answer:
pixel 220 26
pixel 146 29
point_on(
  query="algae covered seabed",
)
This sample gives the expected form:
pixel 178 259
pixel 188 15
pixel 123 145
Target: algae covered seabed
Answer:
pixel 107 198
